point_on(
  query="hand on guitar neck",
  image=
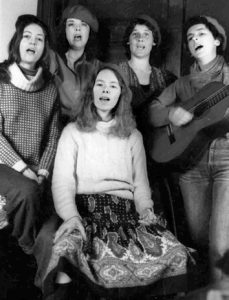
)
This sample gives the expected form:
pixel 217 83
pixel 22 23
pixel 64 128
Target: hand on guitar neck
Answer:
pixel 179 116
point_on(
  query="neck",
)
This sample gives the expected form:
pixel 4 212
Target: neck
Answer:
pixel 140 63
pixel 74 54
pixel 104 115
pixel 206 60
pixel 27 66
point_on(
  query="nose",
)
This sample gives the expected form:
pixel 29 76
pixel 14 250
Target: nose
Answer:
pixel 106 89
pixel 33 41
pixel 77 27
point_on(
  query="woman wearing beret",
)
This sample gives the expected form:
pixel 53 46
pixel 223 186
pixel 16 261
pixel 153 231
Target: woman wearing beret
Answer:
pixel 204 186
pixel 74 62
pixel 141 37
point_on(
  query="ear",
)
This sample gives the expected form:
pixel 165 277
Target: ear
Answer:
pixel 217 42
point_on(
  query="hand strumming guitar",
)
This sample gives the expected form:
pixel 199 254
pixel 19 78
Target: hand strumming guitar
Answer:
pixel 179 116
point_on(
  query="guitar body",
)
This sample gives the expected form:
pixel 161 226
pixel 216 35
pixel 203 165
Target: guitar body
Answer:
pixel 183 143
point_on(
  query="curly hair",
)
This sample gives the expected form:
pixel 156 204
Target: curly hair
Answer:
pixel 87 117
pixel 14 44
pixel 202 20
pixel 130 29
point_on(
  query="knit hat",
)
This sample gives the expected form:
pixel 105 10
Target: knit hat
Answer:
pixel 152 22
pixel 82 13
pixel 219 28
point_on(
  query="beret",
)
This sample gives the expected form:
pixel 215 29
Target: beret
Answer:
pixel 82 13
pixel 219 28
pixel 153 23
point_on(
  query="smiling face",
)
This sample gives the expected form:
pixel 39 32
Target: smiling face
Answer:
pixel 77 33
pixel 202 44
pixel 31 46
pixel 106 93
pixel 141 41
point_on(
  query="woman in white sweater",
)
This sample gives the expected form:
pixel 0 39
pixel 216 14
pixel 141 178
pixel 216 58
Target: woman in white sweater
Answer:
pixel 109 232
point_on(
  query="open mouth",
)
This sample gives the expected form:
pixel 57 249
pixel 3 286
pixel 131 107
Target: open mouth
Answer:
pixel 105 99
pixel 141 47
pixel 77 37
pixel 30 51
pixel 198 47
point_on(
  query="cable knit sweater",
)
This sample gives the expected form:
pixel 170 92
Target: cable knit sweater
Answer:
pixel 97 162
pixel 28 120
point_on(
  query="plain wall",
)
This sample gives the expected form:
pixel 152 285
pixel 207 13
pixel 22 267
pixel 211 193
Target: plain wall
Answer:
pixel 9 11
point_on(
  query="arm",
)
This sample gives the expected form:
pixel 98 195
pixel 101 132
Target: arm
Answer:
pixel 8 155
pixel 142 192
pixel 64 181
pixel 53 131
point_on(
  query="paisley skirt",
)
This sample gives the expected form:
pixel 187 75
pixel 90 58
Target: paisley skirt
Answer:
pixel 119 252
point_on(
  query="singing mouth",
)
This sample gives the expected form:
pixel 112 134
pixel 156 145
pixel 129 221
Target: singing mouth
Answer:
pixel 104 99
pixel 77 37
pixel 31 51
pixel 198 47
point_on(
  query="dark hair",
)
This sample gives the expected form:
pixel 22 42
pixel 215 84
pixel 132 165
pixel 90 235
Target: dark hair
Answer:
pixel 87 117
pixel 130 29
pixel 14 45
pixel 202 20
pixel 62 45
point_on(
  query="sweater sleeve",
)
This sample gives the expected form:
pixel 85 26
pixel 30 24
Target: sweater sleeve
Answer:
pixel 159 108
pixel 49 152
pixel 142 192
pixel 64 174
pixel 8 155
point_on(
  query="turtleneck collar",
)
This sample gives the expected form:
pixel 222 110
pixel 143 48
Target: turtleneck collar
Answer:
pixel 104 127
pixel 19 80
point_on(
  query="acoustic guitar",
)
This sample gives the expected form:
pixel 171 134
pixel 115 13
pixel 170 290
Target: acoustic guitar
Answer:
pixel 186 143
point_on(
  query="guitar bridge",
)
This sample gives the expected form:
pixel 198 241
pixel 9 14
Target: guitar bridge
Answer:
pixel 171 135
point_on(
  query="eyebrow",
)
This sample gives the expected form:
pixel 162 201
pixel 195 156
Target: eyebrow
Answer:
pixel 104 81
pixel 198 29
pixel 27 31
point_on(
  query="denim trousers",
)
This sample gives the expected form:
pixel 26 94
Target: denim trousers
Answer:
pixel 205 191
pixel 23 197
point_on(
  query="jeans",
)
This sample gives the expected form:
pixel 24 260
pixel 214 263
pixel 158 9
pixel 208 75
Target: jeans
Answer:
pixel 205 191
pixel 22 205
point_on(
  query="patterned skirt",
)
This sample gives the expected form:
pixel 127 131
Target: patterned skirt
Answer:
pixel 119 252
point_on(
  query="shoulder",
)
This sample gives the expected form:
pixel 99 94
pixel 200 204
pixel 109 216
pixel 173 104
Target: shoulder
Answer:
pixel 167 76
pixel 4 72
pixel 135 137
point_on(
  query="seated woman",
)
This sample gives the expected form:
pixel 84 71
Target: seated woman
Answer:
pixel 75 60
pixel 109 236
pixel 28 127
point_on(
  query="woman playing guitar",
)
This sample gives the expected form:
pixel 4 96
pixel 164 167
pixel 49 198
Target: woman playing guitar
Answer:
pixel 204 187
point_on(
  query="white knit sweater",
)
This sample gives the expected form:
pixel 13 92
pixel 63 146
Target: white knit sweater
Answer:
pixel 97 162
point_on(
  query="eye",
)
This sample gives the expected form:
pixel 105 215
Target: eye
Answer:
pixel 70 24
pixel 26 36
pixel 114 86
pixel 84 24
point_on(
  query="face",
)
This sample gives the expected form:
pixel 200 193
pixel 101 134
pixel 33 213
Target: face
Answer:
pixel 77 33
pixel 201 42
pixel 106 92
pixel 141 41
pixel 31 46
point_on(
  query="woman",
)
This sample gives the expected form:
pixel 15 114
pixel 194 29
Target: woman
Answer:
pixel 75 60
pixel 28 127
pixel 146 81
pixel 141 40
pixel 109 233
pixel 204 184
